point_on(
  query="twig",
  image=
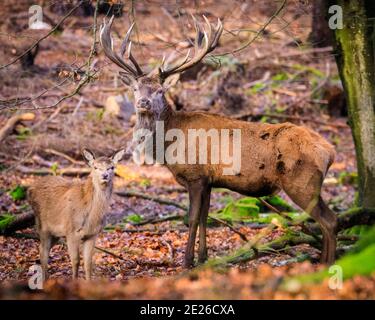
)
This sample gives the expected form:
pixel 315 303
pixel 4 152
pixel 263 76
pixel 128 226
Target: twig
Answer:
pixel 110 252
pixel 175 204
pixel 62 171
pixel 130 193
pixel 293 223
pixel 17 101
pixel 260 31
pixel 75 111
pixel 157 220
pixel 242 236
pixel 63 155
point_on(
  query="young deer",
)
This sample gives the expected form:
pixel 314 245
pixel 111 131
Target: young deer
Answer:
pixel 273 156
pixel 73 209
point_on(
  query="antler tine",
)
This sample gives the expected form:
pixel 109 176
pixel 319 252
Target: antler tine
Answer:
pixel 209 26
pixel 200 50
pixel 218 30
pixel 130 55
pixel 198 32
pixel 126 39
pixel 175 67
pixel 107 44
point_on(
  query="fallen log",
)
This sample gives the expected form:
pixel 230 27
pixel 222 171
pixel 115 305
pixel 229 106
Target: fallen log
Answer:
pixel 20 221
pixel 9 126
pixel 46 171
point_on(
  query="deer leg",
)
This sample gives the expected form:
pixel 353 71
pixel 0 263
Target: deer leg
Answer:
pixel 202 252
pixel 88 249
pixel 44 248
pixel 311 201
pixel 328 224
pixel 73 250
pixel 196 190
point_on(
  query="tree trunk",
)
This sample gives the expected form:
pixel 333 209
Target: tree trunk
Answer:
pixel 321 35
pixel 355 45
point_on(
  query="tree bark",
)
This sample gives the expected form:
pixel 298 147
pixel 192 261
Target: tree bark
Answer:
pixel 355 46
pixel 320 36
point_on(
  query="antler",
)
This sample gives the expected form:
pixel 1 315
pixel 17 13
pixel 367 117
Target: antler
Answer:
pixel 107 43
pixel 210 42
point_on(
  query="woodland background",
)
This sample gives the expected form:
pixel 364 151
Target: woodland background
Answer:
pixel 277 61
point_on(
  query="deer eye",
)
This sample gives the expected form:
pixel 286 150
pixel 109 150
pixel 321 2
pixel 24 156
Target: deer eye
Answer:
pixel 112 168
pixel 159 91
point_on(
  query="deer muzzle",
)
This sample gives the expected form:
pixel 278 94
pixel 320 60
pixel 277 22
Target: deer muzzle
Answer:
pixel 143 105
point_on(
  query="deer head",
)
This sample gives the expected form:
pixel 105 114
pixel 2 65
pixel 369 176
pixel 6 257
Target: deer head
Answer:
pixel 102 168
pixel 149 89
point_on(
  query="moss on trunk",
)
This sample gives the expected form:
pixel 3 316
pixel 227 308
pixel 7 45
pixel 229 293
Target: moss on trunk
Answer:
pixel 355 45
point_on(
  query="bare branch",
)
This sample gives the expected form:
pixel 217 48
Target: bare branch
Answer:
pixel 260 31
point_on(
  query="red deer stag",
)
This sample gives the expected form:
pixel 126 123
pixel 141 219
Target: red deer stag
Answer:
pixel 272 156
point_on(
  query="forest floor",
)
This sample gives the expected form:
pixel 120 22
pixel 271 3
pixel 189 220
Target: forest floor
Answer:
pixel 276 79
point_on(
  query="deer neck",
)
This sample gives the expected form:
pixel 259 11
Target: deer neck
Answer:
pixel 98 197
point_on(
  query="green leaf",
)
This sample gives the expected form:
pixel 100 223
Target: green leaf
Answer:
pixel 54 168
pixel 256 88
pixel 277 202
pixel 134 218
pixel 243 209
pixel 24 133
pixel 145 183
pixel 358 230
pixel 18 193
pixel 280 77
pixel 5 220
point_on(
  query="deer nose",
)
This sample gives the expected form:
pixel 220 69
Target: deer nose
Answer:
pixel 144 103
pixel 105 176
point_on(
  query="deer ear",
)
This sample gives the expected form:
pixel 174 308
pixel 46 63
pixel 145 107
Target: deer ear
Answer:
pixel 127 79
pixel 171 81
pixel 118 155
pixel 88 156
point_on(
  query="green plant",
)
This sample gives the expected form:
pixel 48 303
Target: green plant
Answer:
pixel 145 183
pixel 5 220
pixel 310 69
pixel 134 218
pixel 277 202
pixel 358 230
pixel 18 193
pixel 242 209
pixel 255 88
pixel 23 133
pixel 359 261
pixel 54 168
pixel 348 178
